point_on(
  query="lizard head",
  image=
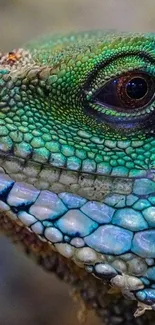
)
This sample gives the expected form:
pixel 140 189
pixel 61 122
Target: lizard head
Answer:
pixel 77 141
pixel 85 103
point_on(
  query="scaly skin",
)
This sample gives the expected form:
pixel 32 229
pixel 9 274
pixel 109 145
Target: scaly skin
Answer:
pixel 77 154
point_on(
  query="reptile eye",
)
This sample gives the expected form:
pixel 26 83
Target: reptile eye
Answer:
pixel 128 92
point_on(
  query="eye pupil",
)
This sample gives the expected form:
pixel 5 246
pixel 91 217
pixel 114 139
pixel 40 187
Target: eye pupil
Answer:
pixel 136 88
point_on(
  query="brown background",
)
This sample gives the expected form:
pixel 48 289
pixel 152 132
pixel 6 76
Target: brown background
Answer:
pixel 28 295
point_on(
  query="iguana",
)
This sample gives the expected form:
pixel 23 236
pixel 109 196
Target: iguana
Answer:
pixel 77 163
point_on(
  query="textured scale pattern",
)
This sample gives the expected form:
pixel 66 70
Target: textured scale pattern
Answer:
pixel 75 170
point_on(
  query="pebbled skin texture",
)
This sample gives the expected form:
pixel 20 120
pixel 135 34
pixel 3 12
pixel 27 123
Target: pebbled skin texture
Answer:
pixel 77 168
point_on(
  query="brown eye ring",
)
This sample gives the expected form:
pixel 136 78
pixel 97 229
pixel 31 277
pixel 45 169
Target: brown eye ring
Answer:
pixel 133 90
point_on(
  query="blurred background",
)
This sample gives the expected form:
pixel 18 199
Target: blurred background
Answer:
pixel 28 295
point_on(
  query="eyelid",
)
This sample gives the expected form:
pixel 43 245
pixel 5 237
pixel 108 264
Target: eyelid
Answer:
pixel 145 58
pixel 114 67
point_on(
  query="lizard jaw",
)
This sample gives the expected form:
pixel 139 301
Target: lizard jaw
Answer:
pixel 66 222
